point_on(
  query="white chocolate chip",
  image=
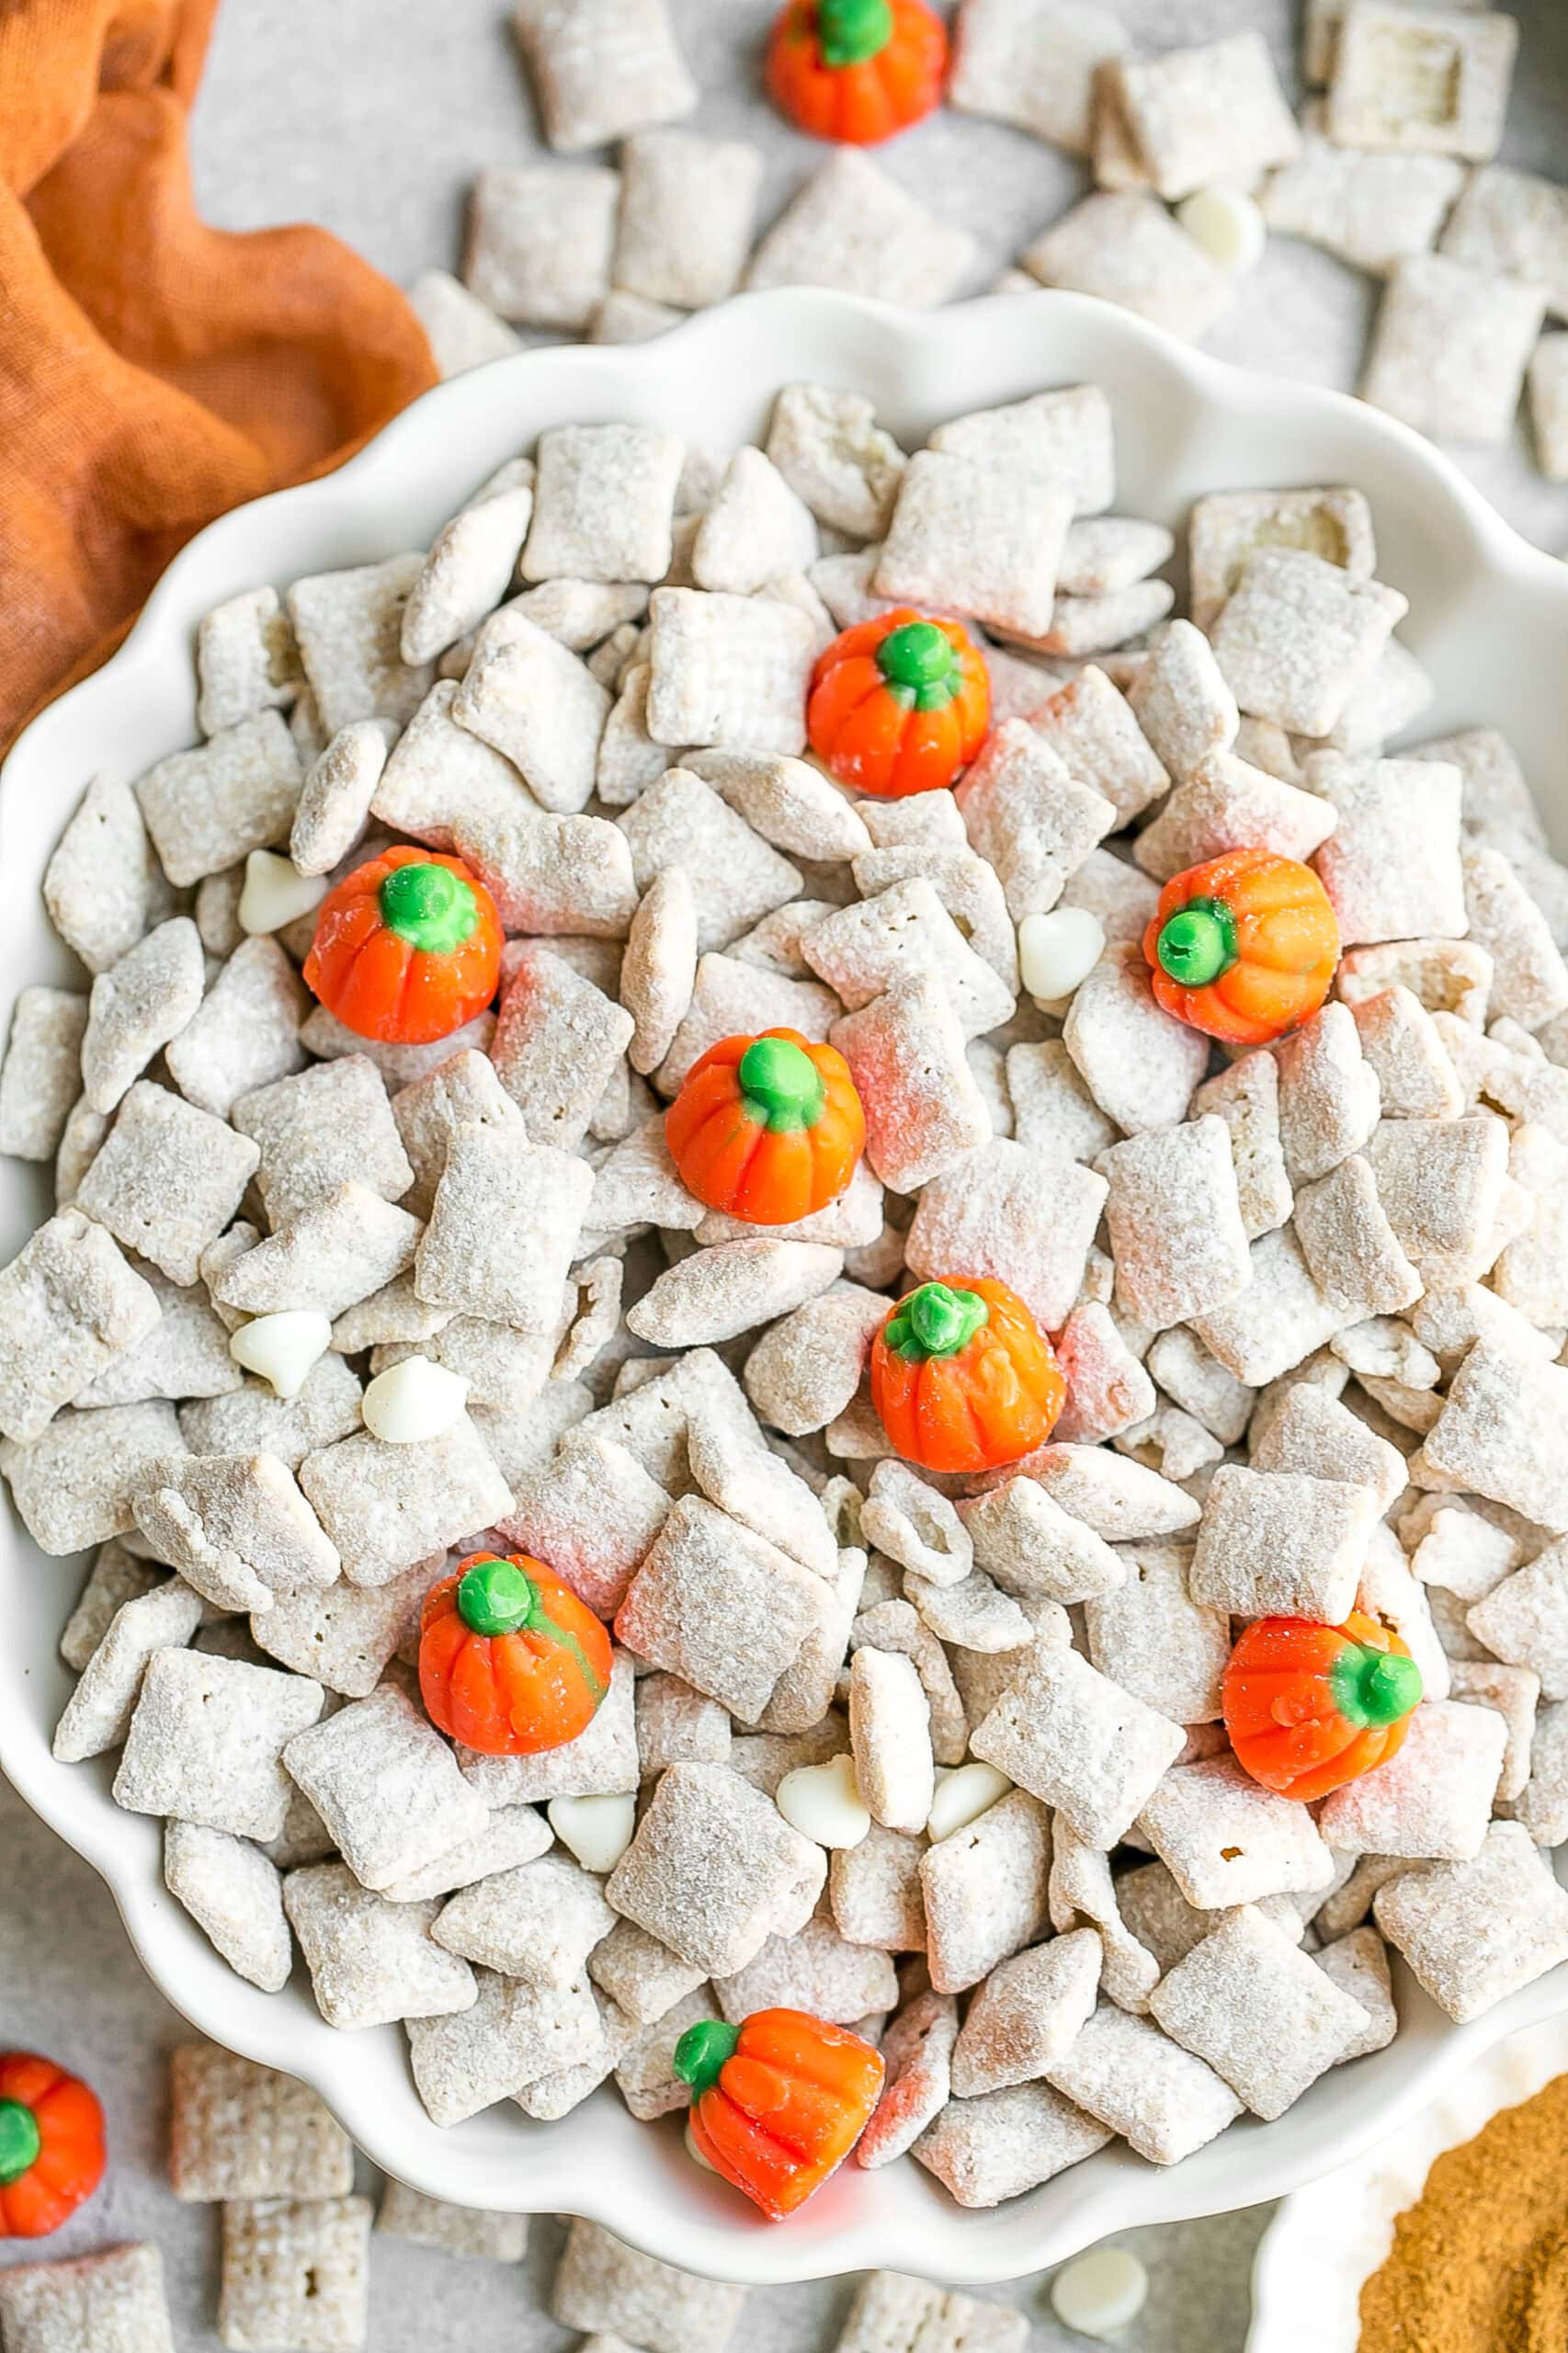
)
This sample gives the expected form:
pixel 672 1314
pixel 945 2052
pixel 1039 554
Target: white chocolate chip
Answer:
pixel 962 1796
pixel 598 1830
pixel 276 893
pixel 1058 950
pixel 413 1400
pixel 282 1348
pixel 1228 225
pixel 1099 2292
pixel 824 1802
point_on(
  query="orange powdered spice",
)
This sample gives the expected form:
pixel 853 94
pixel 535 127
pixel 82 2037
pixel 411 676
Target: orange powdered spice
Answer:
pixel 1479 2262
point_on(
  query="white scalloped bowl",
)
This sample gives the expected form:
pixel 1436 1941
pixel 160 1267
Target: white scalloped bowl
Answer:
pixel 1489 616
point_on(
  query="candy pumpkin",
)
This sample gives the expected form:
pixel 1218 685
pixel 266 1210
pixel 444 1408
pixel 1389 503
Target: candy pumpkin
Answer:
pixel 898 704
pixel 1310 1707
pixel 777 2103
pixel 406 949
pixel 510 1661
pixel 855 70
pixel 962 1377
pixel 1244 947
pixel 766 1128
pixel 51 2145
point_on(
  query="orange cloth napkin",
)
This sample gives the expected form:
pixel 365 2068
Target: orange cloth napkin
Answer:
pixel 154 371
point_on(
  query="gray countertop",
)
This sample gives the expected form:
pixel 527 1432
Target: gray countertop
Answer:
pixel 371 116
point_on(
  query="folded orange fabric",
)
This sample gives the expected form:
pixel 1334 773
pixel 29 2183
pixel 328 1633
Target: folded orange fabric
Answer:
pixel 154 371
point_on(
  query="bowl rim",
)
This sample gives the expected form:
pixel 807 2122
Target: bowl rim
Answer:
pixel 68 1799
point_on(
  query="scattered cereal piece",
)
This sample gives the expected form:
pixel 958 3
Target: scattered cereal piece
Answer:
pixel 829 448
pixel 1206 113
pixel 460 331
pixel 1549 406
pixel 387 1507
pixel 1029 818
pixel 539 241
pixel 469 2231
pixel 236 1528
pixel 602 2285
pixel 602 70
pixel 1440 1187
pixel 240 2131
pixel 1127 249
pixel 853 228
pixel 729 670
pixel 114 2299
pixel 1452 343
pixel 503 1228
pixel 511 2036
pixel 295 2269
pixel 70 1308
pixel 1031 66
pixel 1440 87
pixel 1328 1096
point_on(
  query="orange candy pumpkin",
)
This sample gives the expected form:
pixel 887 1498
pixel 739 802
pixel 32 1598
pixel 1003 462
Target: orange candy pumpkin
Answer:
pixel 899 704
pixel 777 2103
pixel 856 71
pixel 766 1128
pixel 510 1661
pixel 51 2145
pixel 1244 947
pixel 962 1377
pixel 407 948
pixel 1310 1707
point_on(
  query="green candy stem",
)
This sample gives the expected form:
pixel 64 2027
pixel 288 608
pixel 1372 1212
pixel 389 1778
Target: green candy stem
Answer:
pixel 781 1085
pixel 851 31
pixel 21 2142
pixel 432 908
pixel 495 1598
pixel 1198 943
pixel 935 1321
pixel 702 2052
pixel 1375 1687
pixel 919 666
